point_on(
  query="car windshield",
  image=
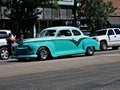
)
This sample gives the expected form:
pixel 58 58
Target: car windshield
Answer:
pixel 99 33
pixel 47 33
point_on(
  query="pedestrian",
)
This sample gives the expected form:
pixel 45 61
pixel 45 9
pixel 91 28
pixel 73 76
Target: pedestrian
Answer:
pixel 10 39
pixel 15 41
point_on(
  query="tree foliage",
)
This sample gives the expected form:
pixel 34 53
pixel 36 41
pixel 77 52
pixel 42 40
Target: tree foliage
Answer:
pixel 96 13
pixel 22 12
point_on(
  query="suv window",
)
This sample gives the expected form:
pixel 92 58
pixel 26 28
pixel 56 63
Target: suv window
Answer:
pixel 117 31
pixel 110 32
pixel 3 35
pixel 76 33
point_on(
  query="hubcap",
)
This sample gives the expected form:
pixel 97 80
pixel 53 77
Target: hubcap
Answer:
pixel 104 46
pixel 4 54
pixel 90 50
pixel 43 54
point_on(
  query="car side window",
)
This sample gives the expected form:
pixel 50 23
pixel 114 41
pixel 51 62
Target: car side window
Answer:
pixel 76 32
pixel 42 34
pixel 50 33
pixel 110 32
pixel 117 31
pixel 64 33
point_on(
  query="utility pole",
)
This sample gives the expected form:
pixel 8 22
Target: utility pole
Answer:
pixel 0 9
pixel 74 11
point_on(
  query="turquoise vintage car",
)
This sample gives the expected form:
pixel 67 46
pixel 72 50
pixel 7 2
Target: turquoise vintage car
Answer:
pixel 54 42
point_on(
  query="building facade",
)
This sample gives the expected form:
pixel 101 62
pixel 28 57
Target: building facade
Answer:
pixel 48 17
pixel 4 21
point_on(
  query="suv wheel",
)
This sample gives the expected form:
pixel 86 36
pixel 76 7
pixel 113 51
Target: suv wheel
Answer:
pixel 4 53
pixel 103 45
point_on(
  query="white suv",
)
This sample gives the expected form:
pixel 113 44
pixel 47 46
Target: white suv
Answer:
pixel 5 49
pixel 109 37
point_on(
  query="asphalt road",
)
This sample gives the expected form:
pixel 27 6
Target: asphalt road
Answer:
pixel 98 72
pixel 12 67
pixel 97 77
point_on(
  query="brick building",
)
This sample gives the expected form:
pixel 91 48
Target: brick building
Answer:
pixel 116 3
pixel 114 19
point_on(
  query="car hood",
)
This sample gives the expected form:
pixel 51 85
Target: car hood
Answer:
pixel 99 36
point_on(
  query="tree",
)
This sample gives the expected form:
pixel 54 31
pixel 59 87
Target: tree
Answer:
pixel 22 12
pixel 96 13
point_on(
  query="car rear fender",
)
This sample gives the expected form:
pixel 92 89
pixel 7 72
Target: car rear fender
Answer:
pixel 90 42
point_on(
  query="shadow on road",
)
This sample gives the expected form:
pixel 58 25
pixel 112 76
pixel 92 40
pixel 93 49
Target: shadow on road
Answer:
pixel 108 51
pixel 35 60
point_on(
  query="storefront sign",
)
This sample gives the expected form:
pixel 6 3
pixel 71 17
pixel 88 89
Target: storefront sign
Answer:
pixel 66 2
pixel 39 12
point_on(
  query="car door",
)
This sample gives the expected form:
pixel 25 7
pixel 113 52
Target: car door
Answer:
pixel 77 39
pixel 117 32
pixel 63 43
pixel 111 37
pixel 3 38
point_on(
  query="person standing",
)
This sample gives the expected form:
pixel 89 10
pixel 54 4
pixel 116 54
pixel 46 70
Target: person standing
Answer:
pixel 10 39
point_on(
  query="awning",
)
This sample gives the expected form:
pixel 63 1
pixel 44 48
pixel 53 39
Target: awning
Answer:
pixel 115 25
pixel 114 21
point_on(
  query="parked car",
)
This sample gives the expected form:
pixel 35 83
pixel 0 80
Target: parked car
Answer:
pixel 5 50
pixel 54 42
pixel 109 37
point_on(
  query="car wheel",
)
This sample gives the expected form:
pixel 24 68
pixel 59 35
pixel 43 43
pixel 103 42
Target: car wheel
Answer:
pixel 4 53
pixel 43 53
pixel 103 45
pixel 90 51
pixel 115 48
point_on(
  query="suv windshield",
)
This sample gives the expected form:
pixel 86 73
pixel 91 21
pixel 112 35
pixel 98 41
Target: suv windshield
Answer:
pixel 99 33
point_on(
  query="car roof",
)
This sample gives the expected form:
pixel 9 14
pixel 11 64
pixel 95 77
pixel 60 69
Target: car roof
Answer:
pixel 7 31
pixel 106 29
pixel 61 27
